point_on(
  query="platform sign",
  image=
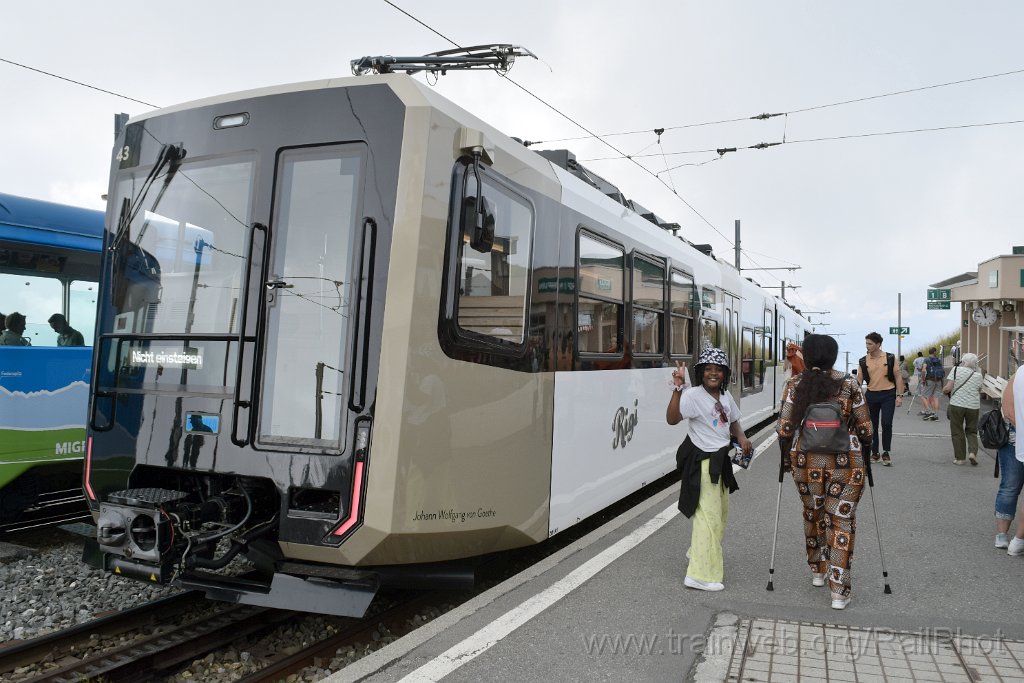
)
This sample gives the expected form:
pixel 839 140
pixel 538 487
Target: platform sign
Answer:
pixel 939 295
pixel 938 305
pixel 899 330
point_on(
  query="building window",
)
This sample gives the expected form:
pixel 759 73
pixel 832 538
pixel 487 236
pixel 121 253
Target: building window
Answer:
pixel 993 279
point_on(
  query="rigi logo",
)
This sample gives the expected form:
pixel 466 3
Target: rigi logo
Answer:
pixel 623 424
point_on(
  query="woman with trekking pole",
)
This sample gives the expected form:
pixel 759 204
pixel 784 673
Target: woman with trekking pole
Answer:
pixel 823 423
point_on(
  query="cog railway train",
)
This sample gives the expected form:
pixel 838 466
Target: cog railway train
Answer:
pixel 49 263
pixel 357 336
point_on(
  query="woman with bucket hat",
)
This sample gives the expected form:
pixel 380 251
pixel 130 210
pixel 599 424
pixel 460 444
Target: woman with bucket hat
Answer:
pixel 704 462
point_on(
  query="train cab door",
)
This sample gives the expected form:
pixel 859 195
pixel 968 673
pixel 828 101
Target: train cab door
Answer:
pixel 307 297
pixel 732 342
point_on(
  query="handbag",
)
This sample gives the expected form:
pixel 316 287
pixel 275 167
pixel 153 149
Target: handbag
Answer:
pixel 956 389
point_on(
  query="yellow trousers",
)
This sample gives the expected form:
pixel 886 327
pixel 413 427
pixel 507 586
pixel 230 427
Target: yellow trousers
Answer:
pixel 706 562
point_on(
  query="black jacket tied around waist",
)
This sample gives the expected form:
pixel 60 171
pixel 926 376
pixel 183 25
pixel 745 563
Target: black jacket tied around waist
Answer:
pixel 688 460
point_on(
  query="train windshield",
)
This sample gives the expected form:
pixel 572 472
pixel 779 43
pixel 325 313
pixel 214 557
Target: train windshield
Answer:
pixel 178 265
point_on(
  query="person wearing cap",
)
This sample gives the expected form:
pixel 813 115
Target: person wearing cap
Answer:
pixel 703 458
pixel 66 335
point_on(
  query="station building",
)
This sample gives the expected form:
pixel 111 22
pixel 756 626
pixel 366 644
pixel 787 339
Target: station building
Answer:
pixel 991 302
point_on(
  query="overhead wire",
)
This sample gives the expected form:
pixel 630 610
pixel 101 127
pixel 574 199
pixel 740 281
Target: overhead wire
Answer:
pixel 766 116
pixel 765 145
pixel 584 128
pixel 84 85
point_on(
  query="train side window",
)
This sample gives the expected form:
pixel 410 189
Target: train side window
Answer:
pixel 600 269
pixel 709 333
pixel 708 298
pixel 747 368
pixel 493 261
pixel 759 357
pixel 683 302
pixel 781 334
pixel 648 306
pixel 769 348
pixel 36 297
pixel 82 298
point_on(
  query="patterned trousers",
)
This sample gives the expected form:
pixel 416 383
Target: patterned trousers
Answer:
pixel 830 487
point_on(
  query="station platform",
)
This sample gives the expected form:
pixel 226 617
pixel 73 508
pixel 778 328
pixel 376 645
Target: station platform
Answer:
pixel 612 606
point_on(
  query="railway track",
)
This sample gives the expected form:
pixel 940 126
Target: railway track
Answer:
pixel 174 646
pixel 57 507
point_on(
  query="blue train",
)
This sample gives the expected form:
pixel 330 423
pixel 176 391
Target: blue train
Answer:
pixel 49 263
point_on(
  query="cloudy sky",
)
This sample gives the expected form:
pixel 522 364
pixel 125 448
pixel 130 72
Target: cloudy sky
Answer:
pixel 867 216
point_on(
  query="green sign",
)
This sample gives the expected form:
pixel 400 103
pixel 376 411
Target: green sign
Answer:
pixel 565 285
pixel 938 305
pixel 899 330
pixel 939 295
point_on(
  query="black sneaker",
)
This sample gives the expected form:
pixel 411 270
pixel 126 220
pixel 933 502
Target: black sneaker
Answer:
pixel 886 460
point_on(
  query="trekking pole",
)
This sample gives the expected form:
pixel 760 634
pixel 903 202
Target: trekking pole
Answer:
pixel 778 505
pixel 878 531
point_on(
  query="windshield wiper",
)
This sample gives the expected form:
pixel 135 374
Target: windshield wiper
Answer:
pixel 170 156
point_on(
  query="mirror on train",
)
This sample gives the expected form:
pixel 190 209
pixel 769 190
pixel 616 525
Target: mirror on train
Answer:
pixel 478 223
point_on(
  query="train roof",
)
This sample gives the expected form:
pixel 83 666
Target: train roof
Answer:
pixel 32 221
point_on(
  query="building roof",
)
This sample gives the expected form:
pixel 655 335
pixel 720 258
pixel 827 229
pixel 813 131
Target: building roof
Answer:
pixel 962 279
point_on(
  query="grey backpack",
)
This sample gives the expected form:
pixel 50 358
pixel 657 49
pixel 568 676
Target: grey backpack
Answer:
pixel 824 429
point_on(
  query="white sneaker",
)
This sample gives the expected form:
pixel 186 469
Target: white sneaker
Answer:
pixel 703 585
pixel 817 579
pixel 840 603
pixel 1016 546
pixel 1002 541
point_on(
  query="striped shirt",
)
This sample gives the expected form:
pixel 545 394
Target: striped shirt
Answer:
pixel 966 387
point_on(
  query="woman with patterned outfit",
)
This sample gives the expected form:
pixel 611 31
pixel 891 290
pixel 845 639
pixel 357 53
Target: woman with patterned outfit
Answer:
pixel 829 484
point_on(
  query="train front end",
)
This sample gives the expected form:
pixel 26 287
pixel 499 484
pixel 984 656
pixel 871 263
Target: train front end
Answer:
pixel 233 365
pixel 275 373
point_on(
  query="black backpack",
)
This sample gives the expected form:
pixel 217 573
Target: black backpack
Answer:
pixel 824 429
pixel 933 368
pixel 993 430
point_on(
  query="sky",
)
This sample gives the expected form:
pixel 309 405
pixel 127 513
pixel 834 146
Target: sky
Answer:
pixel 866 218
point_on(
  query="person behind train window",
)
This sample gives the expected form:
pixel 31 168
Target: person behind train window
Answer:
pixel 66 335
pixel 703 458
pixel 829 484
pixel 3 325
pixel 13 335
pixel 885 386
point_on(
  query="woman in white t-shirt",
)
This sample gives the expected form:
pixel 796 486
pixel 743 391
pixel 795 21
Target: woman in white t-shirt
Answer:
pixel 703 458
pixel 963 386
